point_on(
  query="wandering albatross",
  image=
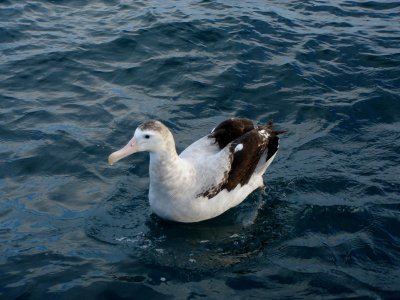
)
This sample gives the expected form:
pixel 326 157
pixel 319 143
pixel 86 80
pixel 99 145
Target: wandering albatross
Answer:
pixel 212 175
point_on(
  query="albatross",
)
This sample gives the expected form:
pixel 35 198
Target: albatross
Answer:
pixel 212 175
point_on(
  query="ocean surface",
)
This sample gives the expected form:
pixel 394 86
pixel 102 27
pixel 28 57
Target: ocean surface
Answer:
pixel 77 77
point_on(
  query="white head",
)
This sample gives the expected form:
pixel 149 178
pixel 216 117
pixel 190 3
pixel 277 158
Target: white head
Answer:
pixel 151 136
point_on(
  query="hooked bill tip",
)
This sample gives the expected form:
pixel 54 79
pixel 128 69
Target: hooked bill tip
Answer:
pixel 110 160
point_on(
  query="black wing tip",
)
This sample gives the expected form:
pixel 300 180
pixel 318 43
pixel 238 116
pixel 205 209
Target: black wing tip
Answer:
pixel 278 132
pixel 272 131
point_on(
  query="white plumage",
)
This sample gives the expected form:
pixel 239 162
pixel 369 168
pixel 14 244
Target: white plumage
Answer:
pixel 212 175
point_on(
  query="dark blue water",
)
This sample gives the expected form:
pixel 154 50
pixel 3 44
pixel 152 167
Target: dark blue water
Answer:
pixel 77 77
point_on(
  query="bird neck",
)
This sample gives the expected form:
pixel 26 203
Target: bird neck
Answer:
pixel 166 154
pixel 168 172
pixel 164 164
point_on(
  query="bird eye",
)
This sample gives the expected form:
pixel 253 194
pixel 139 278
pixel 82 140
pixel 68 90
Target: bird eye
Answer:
pixel 147 136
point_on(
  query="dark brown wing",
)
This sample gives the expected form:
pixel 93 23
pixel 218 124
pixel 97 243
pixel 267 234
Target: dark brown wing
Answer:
pixel 244 161
pixel 245 152
pixel 230 130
